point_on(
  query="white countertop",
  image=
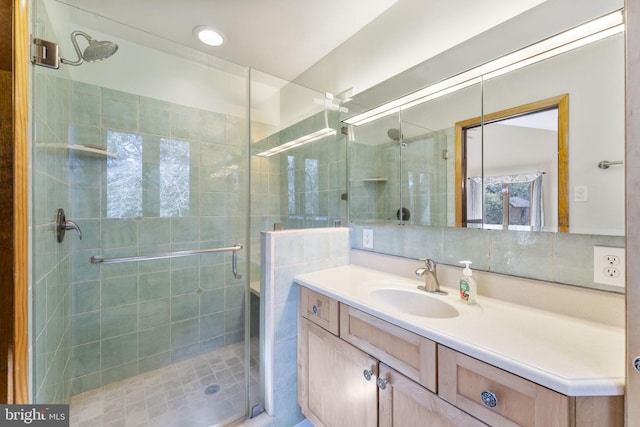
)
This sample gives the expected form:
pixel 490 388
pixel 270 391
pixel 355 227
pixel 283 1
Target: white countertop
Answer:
pixel 572 356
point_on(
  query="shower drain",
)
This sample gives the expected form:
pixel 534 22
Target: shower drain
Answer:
pixel 212 389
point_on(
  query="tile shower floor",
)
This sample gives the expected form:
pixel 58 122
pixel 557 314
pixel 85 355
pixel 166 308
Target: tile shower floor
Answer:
pixel 173 396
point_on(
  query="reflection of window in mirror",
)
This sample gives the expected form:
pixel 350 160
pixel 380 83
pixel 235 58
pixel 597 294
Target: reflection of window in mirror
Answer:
pixel 511 168
pixel 514 202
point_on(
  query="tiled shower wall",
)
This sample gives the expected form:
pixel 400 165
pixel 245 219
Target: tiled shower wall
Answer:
pixel 50 283
pixel 374 189
pixel 133 317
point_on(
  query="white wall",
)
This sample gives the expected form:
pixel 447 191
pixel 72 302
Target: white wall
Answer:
pixel 593 77
pixel 395 48
pixel 408 33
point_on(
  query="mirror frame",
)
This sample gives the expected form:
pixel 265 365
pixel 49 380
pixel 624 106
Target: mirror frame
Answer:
pixel 560 102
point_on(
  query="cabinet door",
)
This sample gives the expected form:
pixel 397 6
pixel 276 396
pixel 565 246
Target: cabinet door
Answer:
pixel 405 403
pixel 404 351
pixel 332 388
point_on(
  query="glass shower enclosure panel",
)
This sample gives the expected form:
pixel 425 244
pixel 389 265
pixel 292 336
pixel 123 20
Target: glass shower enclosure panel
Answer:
pixel 298 159
pixel 147 154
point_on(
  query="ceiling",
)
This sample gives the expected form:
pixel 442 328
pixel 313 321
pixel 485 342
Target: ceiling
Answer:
pixel 280 37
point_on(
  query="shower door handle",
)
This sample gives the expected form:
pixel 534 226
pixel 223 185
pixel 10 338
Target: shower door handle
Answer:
pixel 234 263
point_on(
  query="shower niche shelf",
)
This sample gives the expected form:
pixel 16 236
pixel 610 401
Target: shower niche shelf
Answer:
pixel 86 150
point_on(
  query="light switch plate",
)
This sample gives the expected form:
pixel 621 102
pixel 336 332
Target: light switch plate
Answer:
pixel 580 193
pixel 609 265
pixel 367 238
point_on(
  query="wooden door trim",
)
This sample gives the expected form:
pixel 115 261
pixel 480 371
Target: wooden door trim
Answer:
pixel 21 200
pixel 632 199
pixel 561 102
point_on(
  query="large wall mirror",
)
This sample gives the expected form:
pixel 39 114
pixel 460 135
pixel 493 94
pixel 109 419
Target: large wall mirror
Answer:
pixel 408 159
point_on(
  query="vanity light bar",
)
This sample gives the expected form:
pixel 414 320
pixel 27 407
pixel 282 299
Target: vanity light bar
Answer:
pixel 557 51
pixel 571 39
pixel 299 141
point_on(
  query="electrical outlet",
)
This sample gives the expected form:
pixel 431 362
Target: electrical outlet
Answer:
pixel 367 238
pixel 609 265
pixel 612 259
pixel 611 272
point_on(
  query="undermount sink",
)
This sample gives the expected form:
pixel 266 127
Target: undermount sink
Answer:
pixel 416 303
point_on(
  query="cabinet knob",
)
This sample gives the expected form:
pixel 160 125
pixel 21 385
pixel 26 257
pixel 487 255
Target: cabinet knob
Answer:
pixel 368 374
pixel 382 383
pixel 489 398
pixel 315 309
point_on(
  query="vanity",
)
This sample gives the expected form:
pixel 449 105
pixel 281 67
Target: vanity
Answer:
pixel 374 350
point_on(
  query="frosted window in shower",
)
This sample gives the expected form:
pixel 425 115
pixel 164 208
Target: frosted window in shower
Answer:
pixel 311 197
pixel 124 175
pixel 291 184
pixel 174 177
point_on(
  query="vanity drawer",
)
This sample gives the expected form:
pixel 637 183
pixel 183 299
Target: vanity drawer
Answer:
pixel 511 400
pixel 319 309
pixel 402 350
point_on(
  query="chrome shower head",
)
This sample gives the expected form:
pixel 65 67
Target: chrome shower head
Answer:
pixel 96 51
pixel 99 50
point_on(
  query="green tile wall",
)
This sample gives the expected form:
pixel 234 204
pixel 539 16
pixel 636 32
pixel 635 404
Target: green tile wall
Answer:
pixel 554 257
pixel 133 317
pixel 285 255
pixel 50 281
pixel 424 183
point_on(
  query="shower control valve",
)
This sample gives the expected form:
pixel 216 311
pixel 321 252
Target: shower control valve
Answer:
pixel 62 225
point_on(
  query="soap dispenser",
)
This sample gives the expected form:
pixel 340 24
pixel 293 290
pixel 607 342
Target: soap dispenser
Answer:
pixel 468 287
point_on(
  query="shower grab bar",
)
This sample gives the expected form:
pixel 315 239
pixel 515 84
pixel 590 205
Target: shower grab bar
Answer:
pixel 234 258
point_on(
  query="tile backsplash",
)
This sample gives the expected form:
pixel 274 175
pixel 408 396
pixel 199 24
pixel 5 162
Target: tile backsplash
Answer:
pixel 553 257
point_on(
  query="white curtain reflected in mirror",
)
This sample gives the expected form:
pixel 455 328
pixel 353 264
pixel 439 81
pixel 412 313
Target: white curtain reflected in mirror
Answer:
pixel 510 202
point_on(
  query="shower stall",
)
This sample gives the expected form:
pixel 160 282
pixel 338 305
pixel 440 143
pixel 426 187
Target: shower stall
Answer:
pixel 399 172
pixel 146 314
pixel 150 165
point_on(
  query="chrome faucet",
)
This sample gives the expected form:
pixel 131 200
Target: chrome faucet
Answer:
pixel 430 277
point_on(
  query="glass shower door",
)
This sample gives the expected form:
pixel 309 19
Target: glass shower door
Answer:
pixel 147 153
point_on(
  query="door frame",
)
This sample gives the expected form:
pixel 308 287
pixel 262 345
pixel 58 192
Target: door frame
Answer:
pixel 21 63
pixel 632 211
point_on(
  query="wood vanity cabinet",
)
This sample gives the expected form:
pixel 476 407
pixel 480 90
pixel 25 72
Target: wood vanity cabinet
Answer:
pixel 320 309
pixel 356 370
pixel 404 403
pixel 340 385
pixel 500 398
pixel 332 388
pixel 496 396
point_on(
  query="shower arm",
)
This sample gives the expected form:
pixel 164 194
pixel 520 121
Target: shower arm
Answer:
pixel 80 59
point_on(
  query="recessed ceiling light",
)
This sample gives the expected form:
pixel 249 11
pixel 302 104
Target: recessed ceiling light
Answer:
pixel 208 35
